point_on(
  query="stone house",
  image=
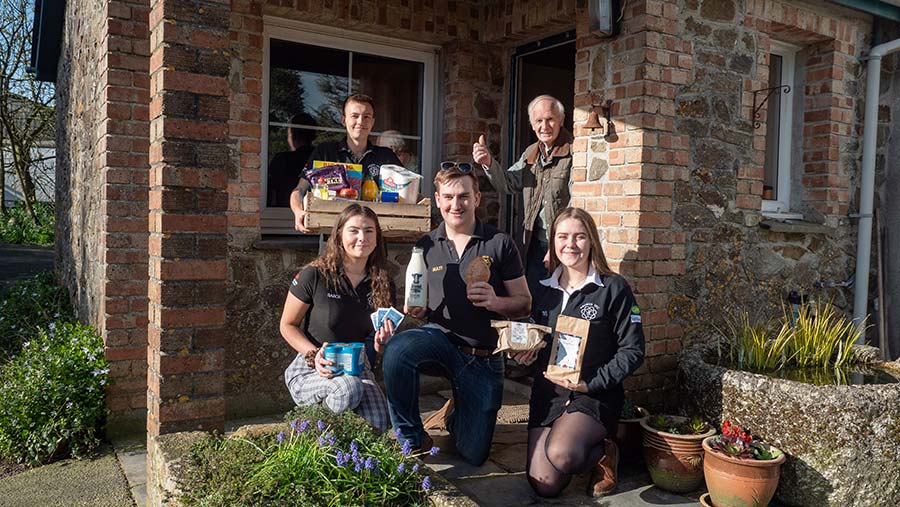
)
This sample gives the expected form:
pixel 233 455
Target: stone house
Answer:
pixel 729 176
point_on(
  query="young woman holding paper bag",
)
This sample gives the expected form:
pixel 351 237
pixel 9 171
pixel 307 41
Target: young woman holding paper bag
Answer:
pixel 572 414
pixel 330 301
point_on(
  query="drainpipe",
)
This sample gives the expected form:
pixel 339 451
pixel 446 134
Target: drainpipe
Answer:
pixel 867 180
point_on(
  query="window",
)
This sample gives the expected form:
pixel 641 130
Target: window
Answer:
pixel 308 74
pixel 779 126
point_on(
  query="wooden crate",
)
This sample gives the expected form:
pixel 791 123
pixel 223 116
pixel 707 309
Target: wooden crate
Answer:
pixel 397 220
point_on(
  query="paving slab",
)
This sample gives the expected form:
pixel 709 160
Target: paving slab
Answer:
pixel 97 482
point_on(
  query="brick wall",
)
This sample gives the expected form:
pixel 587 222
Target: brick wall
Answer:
pixel 103 212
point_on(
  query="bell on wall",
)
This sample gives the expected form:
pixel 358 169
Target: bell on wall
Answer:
pixel 593 121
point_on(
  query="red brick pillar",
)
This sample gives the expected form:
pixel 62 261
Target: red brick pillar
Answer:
pixel 189 110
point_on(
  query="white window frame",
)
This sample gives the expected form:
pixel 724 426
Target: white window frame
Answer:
pixel 281 220
pixel 781 205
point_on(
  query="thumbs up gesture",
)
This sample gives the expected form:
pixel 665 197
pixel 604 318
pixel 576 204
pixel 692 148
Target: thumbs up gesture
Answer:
pixel 480 153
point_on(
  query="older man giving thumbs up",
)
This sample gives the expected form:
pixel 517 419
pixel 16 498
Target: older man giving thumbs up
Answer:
pixel 542 174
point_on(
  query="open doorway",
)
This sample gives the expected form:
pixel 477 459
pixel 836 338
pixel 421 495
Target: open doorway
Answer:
pixel 543 67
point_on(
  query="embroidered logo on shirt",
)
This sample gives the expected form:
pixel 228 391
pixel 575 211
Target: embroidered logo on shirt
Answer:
pixel 635 315
pixel 589 311
pixel 437 268
pixel 334 296
pixel 374 169
pixel 296 279
pixel 370 301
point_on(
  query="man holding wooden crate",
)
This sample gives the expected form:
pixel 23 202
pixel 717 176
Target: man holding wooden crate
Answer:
pixel 358 118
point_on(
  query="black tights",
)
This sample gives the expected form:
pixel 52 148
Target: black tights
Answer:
pixel 571 445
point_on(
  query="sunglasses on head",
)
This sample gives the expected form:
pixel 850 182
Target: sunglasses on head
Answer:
pixel 461 167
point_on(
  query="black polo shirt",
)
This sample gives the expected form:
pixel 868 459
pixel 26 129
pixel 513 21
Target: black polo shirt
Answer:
pixel 337 151
pixel 335 314
pixel 448 305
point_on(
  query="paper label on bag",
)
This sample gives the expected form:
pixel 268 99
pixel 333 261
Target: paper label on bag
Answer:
pixel 518 333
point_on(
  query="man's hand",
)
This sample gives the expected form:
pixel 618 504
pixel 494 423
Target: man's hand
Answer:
pixel 580 387
pixel 416 311
pixel 480 153
pixel 298 221
pixel 482 294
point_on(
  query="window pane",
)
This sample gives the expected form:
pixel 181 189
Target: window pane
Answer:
pixel 305 79
pixel 773 128
pixel 286 162
pixel 407 150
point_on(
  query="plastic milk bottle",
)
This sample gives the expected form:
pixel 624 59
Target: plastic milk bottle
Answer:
pixel 417 280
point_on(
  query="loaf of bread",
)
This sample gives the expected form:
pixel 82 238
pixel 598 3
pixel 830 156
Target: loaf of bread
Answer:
pixel 479 270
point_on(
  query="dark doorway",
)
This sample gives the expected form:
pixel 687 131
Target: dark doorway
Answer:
pixel 543 67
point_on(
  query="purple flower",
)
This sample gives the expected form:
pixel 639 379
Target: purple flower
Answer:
pixel 321 425
pixel 280 437
pixel 426 483
pixel 303 426
pixel 434 450
pixel 416 468
pixel 401 468
pixel 370 463
pixel 294 424
pixel 397 432
pixel 341 459
pixel 358 466
pixel 329 437
pixel 406 448
pixel 321 441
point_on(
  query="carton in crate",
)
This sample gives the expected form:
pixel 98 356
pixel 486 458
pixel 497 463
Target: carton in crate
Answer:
pixel 397 220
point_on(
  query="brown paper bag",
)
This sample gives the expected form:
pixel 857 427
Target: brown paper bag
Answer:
pixel 567 351
pixel 519 335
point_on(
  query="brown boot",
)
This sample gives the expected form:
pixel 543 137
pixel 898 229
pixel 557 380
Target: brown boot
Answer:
pixel 606 473
pixel 438 420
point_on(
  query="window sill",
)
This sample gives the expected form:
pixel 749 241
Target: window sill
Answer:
pixel 277 242
pixel 794 226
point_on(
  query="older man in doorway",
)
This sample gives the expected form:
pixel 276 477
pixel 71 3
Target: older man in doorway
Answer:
pixel 543 176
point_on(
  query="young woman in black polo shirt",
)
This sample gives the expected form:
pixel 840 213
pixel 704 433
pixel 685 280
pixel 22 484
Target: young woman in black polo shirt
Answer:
pixel 330 300
pixel 569 422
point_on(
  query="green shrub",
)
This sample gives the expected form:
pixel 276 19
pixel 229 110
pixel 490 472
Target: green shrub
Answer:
pixel 17 226
pixel 322 460
pixel 28 305
pixel 51 395
pixel 818 336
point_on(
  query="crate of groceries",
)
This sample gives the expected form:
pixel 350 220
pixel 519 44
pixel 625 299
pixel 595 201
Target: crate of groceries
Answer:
pixel 391 191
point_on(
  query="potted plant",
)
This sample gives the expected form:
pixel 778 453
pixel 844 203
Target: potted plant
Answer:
pixel 673 451
pixel 628 432
pixel 740 471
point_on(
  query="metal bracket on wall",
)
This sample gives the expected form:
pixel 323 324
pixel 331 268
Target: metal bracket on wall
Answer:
pixel 757 107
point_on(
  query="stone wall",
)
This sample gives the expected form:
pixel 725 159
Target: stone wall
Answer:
pixel 102 191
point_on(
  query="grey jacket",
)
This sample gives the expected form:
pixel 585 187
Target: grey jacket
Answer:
pixel 548 185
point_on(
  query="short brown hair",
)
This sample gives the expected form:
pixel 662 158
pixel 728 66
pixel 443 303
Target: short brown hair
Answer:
pixel 598 259
pixel 358 97
pixel 443 177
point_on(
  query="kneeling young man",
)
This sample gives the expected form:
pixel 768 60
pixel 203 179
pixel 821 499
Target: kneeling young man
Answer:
pixel 458 341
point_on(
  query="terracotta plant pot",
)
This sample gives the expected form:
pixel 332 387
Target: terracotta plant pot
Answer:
pixel 734 482
pixel 705 501
pixel 629 438
pixel 675 462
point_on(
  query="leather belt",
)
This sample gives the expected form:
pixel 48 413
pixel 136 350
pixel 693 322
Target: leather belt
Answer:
pixel 472 351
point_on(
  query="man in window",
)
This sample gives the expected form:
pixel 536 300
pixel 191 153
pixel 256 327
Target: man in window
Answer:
pixel 286 167
pixel 542 174
pixel 358 118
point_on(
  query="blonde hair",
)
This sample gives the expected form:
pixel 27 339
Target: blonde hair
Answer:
pixel 443 177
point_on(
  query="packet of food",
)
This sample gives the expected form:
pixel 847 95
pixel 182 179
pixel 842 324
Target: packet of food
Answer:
pixel 567 352
pixel 335 176
pixel 519 335
pixel 353 171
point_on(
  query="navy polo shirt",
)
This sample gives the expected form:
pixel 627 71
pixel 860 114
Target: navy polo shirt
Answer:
pixel 448 306
pixel 337 151
pixel 335 313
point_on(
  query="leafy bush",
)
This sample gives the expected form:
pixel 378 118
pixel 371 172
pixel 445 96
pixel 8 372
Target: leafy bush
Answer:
pixel 17 226
pixel 51 395
pixel 817 336
pixel 323 459
pixel 688 426
pixel 26 306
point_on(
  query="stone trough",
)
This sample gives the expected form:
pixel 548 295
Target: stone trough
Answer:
pixel 842 441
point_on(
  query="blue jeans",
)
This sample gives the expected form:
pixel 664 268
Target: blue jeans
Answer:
pixel 477 389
